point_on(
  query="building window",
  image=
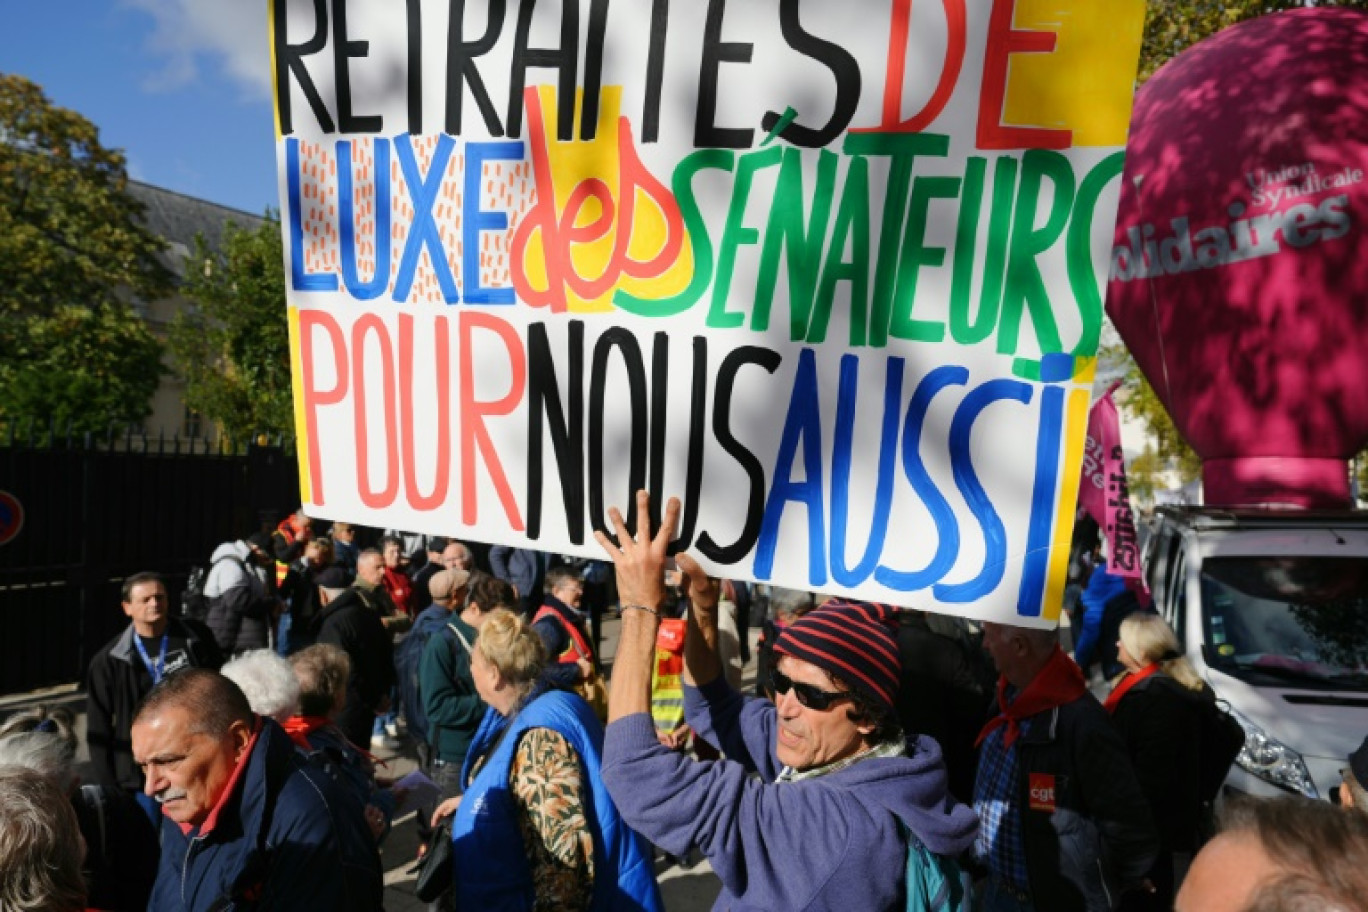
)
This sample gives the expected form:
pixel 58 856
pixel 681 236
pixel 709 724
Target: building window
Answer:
pixel 190 424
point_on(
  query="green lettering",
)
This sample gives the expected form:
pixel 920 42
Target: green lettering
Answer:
pixel 964 329
pixel 697 229
pixel 735 233
pixel 800 240
pixel 902 149
pixel 1024 282
pixel 1082 277
pixel 915 255
pixel 852 221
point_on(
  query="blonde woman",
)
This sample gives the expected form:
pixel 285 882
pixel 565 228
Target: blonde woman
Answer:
pixel 1155 706
pixel 535 828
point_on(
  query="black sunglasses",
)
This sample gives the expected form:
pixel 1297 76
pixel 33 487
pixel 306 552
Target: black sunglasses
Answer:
pixel 809 696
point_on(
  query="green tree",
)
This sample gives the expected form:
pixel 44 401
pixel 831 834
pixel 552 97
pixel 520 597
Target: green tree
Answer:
pixel 1172 26
pixel 233 346
pixel 73 255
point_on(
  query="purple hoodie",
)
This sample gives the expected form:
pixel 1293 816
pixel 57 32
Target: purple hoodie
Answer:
pixel 825 843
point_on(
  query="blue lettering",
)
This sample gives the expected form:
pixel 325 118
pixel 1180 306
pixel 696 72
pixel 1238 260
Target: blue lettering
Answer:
pixel 474 220
pixel 351 275
pixel 299 279
pixel 941 514
pixel 803 424
pixel 840 469
pixel 423 231
pixel 994 533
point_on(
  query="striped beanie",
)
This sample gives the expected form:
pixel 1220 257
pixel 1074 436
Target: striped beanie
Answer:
pixel 854 641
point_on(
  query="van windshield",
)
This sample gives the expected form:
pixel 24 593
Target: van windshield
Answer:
pixel 1300 620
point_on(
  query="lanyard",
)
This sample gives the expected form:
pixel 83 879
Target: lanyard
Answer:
pixel 158 670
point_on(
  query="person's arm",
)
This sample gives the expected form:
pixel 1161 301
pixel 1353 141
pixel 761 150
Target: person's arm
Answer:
pixel 447 703
pixel 549 790
pixel 741 726
pixel 640 567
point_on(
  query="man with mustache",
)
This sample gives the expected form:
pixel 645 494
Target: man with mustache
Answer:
pixel 848 812
pixel 249 823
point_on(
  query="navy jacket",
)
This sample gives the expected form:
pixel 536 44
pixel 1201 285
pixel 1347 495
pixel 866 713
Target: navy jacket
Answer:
pixel 286 837
pixel 1086 826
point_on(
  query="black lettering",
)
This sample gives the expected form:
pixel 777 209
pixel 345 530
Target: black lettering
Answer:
pixel 290 61
pixel 343 51
pixel 567 436
pixel 842 65
pixel 565 59
pixel 461 69
pixel 413 10
pixel 698 410
pixel 715 53
pixel 755 470
pixel 626 343
pixel 655 71
pixel 593 69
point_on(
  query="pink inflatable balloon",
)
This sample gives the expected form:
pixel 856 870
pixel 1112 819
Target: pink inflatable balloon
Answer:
pixel 1239 273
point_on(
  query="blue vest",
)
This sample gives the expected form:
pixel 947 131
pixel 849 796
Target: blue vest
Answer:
pixel 491 871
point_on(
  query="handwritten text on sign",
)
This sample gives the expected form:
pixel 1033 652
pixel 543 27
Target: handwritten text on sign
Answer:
pixel 828 271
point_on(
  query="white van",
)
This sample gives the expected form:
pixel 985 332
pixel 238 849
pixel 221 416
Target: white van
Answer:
pixel 1271 607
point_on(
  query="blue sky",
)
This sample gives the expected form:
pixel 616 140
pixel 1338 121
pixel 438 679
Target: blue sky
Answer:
pixel 181 86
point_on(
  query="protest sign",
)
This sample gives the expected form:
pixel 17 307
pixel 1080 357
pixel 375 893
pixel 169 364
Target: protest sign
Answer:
pixel 1104 492
pixel 829 272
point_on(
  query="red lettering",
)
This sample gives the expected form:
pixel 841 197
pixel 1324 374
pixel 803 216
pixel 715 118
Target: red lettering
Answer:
pixel 560 234
pixel 1003 42
pixel 957 30
pixel 473 430
pixel 442 353
pixel 313 396
pixel 376 500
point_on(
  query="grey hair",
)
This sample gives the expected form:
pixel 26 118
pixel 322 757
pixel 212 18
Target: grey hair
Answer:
pixel 268 681
pixel 1318 847
pixel 43 752
pixel 40 845
pixel 42 739
pixel 785 602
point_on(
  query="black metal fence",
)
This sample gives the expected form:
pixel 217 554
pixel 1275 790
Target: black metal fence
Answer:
pixel 97 509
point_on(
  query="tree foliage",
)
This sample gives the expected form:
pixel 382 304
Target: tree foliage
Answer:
pixel 233 346
pixel 1172 26
pixel 73 253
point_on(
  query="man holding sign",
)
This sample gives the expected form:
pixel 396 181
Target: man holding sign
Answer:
pixel 846 809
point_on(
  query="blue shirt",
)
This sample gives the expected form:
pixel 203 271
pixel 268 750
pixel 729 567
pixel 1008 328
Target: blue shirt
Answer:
pixel 1000 845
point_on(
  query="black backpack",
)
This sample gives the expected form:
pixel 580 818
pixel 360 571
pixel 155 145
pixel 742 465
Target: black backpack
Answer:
pixel 194 603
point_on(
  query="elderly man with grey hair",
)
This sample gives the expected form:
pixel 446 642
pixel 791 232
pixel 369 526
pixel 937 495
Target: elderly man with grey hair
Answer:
pixel 121 843
pixel 1065 825
pixel 249 822
pixel 269 682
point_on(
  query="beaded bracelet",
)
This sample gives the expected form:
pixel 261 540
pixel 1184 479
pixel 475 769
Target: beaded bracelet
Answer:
pixel 655 611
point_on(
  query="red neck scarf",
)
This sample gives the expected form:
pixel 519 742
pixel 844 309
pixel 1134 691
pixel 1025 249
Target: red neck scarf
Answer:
pixel 1059 682
pixel 300 727
pixel 1126 684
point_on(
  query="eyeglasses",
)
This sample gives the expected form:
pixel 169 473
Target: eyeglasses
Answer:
pixel 809 696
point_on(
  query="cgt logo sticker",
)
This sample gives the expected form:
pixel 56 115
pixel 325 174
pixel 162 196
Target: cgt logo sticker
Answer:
pixel 1042 792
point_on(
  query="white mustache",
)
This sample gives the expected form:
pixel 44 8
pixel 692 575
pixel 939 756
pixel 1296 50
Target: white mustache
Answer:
pixel 169 795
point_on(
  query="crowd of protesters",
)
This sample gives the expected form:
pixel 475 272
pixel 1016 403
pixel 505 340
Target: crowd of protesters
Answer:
pixel 887 759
